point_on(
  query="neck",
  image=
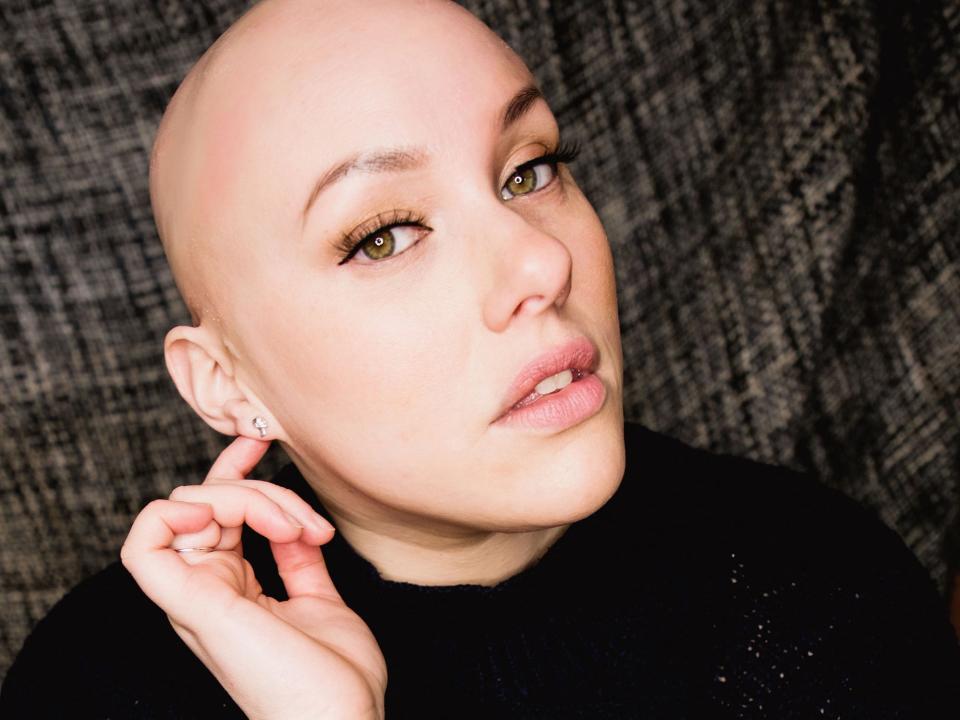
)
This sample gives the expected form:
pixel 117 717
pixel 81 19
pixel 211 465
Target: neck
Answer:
pixel 465 558
pixel 407 547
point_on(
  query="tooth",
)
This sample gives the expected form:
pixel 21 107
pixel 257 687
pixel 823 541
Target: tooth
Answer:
pixel 563 379
pixel 554 382
pixel 545 386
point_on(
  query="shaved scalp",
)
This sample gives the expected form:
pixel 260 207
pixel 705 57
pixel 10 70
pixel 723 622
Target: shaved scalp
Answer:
pixel 216 110
pixel 165 166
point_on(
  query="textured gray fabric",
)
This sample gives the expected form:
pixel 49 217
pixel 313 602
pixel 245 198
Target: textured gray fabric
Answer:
pixel 779 181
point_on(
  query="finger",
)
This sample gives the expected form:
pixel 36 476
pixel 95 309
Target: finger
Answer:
pixel 238 458
pixel 234 506
pixel 146 552
pixel 160 521
pixel 317 529
pixel 209 537
pixel 303 570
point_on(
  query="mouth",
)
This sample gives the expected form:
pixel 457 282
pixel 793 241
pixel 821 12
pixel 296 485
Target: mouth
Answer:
pixel 561 373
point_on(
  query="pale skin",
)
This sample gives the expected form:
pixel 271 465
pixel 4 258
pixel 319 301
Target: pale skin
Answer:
pixel 381 376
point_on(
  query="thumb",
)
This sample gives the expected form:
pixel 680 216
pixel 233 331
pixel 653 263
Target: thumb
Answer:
pixel 303 570
pixel 238 458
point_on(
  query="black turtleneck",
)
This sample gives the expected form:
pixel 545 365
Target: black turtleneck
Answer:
pixel 708 586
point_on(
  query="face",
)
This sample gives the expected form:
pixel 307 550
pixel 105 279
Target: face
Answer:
pixel 381 312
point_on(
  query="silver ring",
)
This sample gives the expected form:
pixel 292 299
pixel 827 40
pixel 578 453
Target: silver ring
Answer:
pixel 194 549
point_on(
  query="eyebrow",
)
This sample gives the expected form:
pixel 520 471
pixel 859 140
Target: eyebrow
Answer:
pixel 400 159
pixel 519 105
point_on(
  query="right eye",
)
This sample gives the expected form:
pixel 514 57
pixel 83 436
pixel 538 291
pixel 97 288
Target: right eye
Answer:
pixel 392 234
pixel 386 241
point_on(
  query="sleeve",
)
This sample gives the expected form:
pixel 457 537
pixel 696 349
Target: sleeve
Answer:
pixel 106 651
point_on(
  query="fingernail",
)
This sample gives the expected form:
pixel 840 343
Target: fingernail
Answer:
pixel 293 521
pixel 322 524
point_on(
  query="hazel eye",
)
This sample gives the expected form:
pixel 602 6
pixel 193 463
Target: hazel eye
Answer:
pixel 389 241
pixel 526 180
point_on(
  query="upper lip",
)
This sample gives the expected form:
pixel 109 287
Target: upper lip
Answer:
pixel 578 353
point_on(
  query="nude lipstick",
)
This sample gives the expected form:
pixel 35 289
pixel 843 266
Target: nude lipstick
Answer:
pixel 571 391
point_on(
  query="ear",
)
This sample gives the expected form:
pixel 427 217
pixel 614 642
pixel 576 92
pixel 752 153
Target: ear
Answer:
pixel 203 372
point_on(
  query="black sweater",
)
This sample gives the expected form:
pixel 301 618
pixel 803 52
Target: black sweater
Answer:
pixel 708 586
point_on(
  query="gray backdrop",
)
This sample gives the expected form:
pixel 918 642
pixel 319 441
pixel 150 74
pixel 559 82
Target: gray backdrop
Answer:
pixel 779 181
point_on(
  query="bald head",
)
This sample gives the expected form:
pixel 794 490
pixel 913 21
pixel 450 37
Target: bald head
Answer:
pixel 368 210
pixel 244 119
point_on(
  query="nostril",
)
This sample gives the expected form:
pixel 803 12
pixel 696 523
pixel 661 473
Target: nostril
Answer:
pixel 532 305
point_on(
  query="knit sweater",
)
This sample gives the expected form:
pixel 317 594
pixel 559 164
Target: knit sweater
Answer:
pixel 707 586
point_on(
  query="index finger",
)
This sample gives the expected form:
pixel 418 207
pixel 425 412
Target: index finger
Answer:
pixel 238 458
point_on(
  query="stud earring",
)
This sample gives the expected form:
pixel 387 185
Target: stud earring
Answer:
pixel 260 424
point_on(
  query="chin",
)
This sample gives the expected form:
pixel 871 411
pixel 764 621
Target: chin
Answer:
pixel 582 476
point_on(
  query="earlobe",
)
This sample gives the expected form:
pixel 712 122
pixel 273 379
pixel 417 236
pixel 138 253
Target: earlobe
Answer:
pixel 203 373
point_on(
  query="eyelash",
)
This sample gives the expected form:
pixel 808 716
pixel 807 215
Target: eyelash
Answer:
pixel 564 153
pixel 351 242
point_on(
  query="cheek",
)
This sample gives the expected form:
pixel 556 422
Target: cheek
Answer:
pixel 594 281
pixel 593 297
pixel 380 365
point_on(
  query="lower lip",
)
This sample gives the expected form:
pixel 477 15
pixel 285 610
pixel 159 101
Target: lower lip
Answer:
pixel 575 403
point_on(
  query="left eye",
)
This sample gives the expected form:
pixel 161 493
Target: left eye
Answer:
pixel 526 180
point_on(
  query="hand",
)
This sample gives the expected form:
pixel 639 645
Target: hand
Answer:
pixel 308 656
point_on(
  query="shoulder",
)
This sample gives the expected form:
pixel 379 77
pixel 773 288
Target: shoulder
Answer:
pixel 105 650
pixel 807 592
pixel 777 517
pixel 742 500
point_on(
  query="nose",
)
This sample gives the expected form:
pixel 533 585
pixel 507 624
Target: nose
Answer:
pixel 531 269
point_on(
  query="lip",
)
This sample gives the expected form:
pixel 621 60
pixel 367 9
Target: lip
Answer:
pixel 577 354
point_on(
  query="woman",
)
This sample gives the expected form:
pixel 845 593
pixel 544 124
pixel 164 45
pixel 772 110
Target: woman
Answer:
pixel 392 273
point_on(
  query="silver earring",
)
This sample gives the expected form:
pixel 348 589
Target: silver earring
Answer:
pixel 260 424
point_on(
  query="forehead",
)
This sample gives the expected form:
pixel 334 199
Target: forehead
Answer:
pixel 301 92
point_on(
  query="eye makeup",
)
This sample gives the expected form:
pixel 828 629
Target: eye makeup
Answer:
pixel 565 153
pixel 353 241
